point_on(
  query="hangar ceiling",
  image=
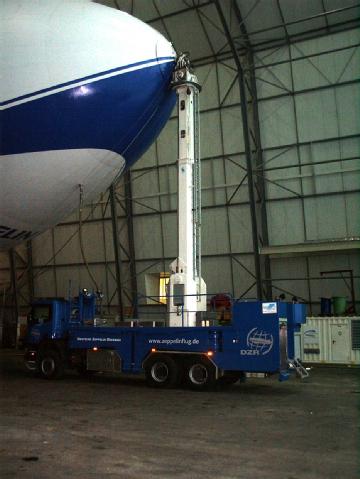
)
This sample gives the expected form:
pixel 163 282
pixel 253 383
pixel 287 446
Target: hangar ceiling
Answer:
pixel 195 26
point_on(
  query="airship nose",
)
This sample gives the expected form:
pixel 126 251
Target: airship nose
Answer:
pixel 161 100
pixel 164 48
pixel 163 52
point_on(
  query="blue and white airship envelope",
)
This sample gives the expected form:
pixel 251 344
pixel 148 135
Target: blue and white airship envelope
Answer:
pixel 85 89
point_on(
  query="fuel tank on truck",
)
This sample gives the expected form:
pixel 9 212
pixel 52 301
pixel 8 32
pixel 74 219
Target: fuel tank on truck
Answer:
pixel 85 89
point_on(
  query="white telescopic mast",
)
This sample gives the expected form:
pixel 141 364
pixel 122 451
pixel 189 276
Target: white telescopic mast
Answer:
pixel 185 279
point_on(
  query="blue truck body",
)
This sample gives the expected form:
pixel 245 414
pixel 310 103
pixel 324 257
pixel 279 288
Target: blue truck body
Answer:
pixel 259 338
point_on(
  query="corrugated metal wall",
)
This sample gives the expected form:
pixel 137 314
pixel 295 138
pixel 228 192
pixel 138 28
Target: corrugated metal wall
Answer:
pixel 308 98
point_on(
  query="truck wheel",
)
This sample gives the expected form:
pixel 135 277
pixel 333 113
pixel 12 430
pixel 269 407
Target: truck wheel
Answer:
pixel 51 365
pixel 162 372
pixel 200 374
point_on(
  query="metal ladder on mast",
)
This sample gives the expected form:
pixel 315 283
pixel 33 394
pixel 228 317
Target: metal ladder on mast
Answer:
pixel 197 190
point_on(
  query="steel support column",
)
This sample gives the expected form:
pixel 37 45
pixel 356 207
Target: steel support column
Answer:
pixel 256 148
pixel 129 276
pixel 14 287
pixel 30 273
pixel 115 231
pixel 131 245
pixel 248 149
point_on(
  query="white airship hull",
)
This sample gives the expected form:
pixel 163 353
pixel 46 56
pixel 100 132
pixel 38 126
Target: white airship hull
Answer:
pixel 36 196
pixel 85 91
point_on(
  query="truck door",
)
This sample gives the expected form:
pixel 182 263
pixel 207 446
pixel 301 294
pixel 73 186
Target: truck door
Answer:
pixel 39 323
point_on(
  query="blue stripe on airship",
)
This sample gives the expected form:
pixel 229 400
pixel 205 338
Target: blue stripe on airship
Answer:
pixel 83 79
pixel 123 113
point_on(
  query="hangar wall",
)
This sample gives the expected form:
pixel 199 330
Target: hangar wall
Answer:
pixel 308 96
pixel 309 132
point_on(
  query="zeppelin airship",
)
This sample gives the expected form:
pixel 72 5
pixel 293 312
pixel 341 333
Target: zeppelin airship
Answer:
pixel 85 89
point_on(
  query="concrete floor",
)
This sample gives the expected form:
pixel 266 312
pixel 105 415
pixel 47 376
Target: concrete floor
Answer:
pixel 110 427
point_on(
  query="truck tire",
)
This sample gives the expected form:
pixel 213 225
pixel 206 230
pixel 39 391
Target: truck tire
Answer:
pixel 200 374
pixel 162 371
pixel 50 365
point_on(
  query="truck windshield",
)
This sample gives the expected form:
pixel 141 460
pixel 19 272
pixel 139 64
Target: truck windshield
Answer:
pixel 40 314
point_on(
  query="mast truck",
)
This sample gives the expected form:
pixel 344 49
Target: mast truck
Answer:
pixel 259 337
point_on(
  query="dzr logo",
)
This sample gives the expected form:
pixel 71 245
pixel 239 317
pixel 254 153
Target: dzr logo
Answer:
pixel 259 340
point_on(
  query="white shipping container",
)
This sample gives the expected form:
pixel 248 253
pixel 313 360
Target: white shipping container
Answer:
pixel 298 346
pixel 331 340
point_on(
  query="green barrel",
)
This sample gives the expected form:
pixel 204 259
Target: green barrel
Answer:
pixel 339 305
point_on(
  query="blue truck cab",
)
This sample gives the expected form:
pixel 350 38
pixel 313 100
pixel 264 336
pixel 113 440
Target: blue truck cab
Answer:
pixel 50 322
pixel 259 339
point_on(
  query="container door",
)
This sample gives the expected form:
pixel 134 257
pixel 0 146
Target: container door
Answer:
pixel 340 344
